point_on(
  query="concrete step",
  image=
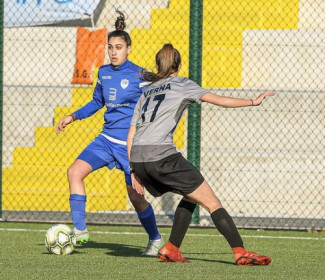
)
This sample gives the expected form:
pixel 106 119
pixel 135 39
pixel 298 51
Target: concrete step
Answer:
pixel 74 136
pixel 269 192
pixel 162 37
pixel 96 120
pixel 81 96
pixel 263 161
pixel 144 54
pixel 170 19
pixel 284 59
pixel 51 157
pixel 311 15
pixel 252 14
pixel 292 122
pixel 45 188
pixel 80 133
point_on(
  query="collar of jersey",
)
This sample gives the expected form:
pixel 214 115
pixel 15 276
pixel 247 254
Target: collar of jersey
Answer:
pixel 125 65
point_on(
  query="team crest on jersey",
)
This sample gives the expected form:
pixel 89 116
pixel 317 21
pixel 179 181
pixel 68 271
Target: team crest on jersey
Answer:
pixel 124 83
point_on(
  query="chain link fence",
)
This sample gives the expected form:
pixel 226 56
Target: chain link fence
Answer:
pixel 266 163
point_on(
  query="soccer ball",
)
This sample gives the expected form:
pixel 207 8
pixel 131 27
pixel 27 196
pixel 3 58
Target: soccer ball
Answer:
pixel 60 240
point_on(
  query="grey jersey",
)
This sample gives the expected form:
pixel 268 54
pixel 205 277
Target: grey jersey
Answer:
pixel 157 114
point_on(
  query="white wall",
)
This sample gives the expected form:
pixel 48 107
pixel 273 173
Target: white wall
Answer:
pixel 284 59
pixel 311 14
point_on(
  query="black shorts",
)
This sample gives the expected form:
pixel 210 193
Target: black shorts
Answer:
pixel 170 174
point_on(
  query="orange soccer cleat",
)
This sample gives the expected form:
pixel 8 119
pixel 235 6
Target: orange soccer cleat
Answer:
pixel 174 255
pixel 251 258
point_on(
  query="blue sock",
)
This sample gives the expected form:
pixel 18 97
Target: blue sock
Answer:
pixel 78 210
pixel 148 221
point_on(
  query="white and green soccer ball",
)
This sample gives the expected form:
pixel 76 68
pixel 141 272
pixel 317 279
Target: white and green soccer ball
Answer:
pixel 60 240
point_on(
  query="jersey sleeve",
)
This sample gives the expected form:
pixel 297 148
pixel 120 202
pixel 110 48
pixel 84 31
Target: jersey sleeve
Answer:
pixel 94 105
pixel 136 113
pixel 193 92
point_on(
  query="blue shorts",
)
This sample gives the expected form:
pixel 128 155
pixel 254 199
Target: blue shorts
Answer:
pixel 102 152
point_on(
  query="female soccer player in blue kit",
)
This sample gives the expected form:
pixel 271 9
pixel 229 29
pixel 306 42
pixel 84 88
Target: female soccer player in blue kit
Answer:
pixel 118 88
pixel 159 168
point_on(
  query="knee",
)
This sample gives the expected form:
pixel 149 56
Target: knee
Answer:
pixel 74 173
pixel 138 201
pixel 214 206
pixel 135 198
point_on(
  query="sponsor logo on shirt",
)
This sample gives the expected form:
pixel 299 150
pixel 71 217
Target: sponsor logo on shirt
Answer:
pixel 106 77
pixel 111 105
pixel 112 94
pixel 124 83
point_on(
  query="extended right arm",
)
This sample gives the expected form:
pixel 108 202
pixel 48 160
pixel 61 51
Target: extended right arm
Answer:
pixel 231 102
pixel 86 111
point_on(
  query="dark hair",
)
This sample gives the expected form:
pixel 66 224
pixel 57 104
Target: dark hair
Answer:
pixel 120 22
pixel 168 60
pixel 120 26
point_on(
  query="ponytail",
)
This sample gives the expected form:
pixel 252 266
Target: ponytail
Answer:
pixel 168 60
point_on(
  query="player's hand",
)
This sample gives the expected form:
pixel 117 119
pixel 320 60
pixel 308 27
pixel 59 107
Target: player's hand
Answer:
pixel 258 100
pixel 136 184
pixel 63 123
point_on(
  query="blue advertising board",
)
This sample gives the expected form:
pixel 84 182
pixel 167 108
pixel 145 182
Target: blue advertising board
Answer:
pixel 19 13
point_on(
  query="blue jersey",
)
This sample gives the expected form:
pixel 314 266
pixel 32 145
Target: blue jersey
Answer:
pixel 119 90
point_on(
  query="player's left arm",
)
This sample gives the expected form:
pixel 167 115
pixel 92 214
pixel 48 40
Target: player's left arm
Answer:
pixel 129 140
pixel 136 183
pixel 231 102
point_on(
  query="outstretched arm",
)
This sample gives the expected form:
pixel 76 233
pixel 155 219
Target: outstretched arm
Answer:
pixel 231 102
pixel 129 140
pixel 64 122
pixel 136 183
pixel 86 111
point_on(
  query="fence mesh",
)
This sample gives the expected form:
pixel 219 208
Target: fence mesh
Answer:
pixel 265 163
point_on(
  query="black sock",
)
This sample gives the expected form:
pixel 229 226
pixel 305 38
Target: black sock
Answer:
pixel 182 220
pixel 226 227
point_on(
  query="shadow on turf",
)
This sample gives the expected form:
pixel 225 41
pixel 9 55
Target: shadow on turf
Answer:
pixel 123 250
pixel 207 260
pixel 115 249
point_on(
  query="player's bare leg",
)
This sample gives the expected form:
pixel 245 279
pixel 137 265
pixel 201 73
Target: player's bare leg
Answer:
pixel 77 172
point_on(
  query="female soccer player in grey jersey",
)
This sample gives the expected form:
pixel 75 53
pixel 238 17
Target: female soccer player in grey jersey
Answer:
pixel 157 166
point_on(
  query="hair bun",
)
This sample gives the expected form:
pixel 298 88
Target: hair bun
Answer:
pixel 120 22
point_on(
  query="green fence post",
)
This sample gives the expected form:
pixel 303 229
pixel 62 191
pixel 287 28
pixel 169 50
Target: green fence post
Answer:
pixel 195 74
pixel 1 94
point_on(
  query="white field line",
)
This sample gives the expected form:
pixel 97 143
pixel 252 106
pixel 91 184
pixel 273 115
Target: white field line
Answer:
pixel 188 234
